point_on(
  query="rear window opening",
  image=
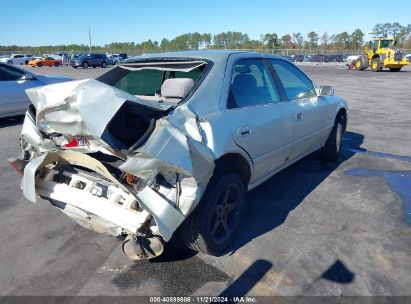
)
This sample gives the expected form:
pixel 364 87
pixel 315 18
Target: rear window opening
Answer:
pixel 158 81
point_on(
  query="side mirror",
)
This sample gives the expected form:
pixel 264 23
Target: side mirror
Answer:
pixel 326 91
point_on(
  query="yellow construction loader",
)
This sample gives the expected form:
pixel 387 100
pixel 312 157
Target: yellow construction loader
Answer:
pixel 381 53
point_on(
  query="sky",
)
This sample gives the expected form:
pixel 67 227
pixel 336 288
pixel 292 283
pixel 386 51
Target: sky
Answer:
pixel 54 22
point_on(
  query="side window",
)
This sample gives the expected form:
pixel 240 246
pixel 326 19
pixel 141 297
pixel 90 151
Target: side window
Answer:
pixel 9 74
pixel 251 85
pixel 295 83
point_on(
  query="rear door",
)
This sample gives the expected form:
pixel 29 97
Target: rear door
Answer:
pixel 258 119
pixel 310 113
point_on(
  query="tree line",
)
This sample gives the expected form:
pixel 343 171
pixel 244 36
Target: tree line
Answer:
pixel 238 40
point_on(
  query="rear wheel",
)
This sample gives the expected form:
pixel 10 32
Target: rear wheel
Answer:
pixel 332 148
pixel 376 65
pixel 395 69
pixel 211 227
pixel 85 65
pixel 359 64
pixel 57 64
pixel 10 62
pixel 103 64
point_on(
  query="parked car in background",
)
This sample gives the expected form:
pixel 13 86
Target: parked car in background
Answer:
pixel 89 60
pixel 297 58
pixel 13 83
pixel 117 58
pixel 319 58
pixel 28 57
pixel 48 61
pixel 109 60
pixel 16 59
pixel 122 56
pixel 169 144
pixel 307 58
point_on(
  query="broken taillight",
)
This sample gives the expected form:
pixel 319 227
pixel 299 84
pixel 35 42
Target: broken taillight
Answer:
pixel 70 142
pixel 17 164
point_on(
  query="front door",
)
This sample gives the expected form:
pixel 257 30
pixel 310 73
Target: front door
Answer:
pixel 310 112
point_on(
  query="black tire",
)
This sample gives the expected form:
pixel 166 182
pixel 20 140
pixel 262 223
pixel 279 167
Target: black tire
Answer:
pixel 395 69
pixel 360 65
pixel 10 62
pixel 85 65
pixel 57 64
pixel 26 62
pixel 75 67
pixel 94 66
pixel 331 150
pixel 103 64
pixel 376 65
pixel 211 227
pixel 39 64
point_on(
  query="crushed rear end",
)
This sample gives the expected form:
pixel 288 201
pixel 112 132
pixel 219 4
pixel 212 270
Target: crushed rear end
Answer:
pixel 117 163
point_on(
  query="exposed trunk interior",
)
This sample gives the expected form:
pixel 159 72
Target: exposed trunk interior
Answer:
pixel 130 126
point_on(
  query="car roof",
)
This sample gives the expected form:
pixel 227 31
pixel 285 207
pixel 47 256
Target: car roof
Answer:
pixel 209 54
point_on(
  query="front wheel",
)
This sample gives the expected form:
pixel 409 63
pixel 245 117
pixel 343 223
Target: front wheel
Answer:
pixel 376 65
pixel 332 148
pixel 85 65
pixel 211 227
pixel 39 64
pixel 395 69
pixel 103 65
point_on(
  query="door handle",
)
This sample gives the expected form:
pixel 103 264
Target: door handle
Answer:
pixel 298 116
pixel 244 131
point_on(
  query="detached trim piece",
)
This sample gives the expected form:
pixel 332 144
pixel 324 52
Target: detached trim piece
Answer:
pixel 166 216
pixel 183 66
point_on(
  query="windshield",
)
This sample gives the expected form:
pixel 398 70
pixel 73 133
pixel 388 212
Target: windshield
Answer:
pixel 385 43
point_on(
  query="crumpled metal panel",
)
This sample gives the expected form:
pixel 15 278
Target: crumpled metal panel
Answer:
pixel 70 107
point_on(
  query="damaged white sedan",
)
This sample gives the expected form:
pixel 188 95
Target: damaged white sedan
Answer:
pixel 170 143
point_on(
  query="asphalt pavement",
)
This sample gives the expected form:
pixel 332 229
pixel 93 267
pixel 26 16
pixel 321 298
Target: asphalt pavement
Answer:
pixel 313 229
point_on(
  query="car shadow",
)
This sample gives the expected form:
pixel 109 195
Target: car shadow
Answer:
pixel 11 121
pixel 269 204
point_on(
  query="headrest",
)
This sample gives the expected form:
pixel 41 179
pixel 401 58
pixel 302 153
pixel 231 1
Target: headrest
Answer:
pixel 176 87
